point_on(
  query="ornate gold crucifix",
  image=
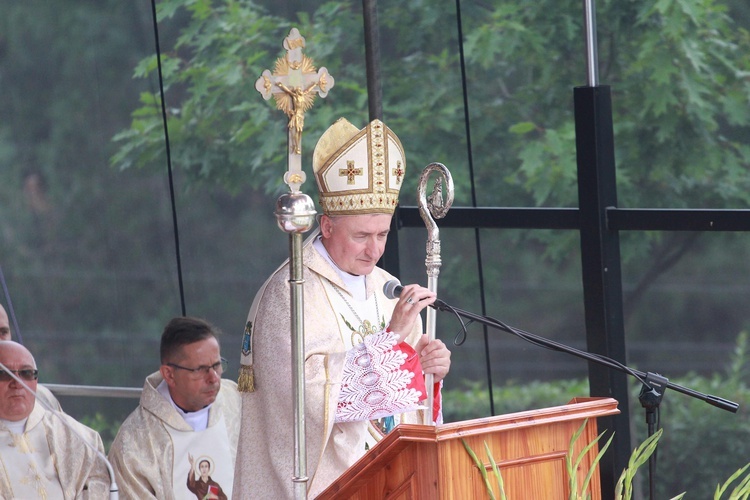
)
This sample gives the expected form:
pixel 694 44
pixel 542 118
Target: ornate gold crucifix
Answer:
pixel 293 85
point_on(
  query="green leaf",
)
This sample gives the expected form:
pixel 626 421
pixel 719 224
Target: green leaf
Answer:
pixel 522 128
pixel 496 472
pixel 480 465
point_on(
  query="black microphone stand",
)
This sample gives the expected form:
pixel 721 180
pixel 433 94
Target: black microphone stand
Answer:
pixel 653 384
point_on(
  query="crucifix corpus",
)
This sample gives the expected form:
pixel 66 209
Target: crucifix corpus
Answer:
pixel 293 84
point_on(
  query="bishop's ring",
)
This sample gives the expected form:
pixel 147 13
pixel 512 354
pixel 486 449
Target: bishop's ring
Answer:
pixel 409 300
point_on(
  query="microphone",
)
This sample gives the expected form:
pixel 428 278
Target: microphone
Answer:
pixel 393 288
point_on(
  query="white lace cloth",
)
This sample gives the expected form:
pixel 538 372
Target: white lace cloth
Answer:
pixel 374 385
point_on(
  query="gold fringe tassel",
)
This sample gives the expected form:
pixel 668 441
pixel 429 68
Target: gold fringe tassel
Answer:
pixel 246 380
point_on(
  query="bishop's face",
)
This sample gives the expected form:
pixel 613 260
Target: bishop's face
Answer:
pixel 355 242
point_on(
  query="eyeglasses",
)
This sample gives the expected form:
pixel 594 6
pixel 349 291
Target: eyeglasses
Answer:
pixel 26 374
pixel 202 371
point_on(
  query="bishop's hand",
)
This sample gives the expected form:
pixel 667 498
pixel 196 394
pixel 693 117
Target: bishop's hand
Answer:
pixel 411 302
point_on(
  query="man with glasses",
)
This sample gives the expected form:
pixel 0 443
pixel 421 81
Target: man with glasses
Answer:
pixel 48 399
pixel 187 415
pixel 43 455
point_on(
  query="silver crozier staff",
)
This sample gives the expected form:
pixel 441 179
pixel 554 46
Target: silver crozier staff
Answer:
pixel 293 85
pixel 429 207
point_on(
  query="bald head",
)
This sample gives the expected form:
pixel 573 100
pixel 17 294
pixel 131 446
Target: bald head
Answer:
pixel 14 350
pixel 4 324
pixel 16 402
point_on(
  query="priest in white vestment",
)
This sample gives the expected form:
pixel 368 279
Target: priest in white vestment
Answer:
pixel 49 400
pixel 188 415
pixel 40 455
pixel 365 354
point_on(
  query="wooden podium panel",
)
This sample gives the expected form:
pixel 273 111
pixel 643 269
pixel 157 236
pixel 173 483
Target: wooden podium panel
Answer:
pixel 417 462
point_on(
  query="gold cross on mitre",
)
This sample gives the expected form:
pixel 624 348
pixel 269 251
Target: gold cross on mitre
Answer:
pixel 293 85
pixel 349 172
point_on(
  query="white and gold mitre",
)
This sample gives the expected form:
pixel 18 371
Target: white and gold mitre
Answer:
pixel 358 171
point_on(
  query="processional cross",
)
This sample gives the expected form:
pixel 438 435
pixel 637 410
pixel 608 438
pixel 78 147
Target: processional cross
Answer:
pixel 293 84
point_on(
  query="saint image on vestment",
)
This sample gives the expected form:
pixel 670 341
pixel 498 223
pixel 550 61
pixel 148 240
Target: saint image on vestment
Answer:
pixel 199 479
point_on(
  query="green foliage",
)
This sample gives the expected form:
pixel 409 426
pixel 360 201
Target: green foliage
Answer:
pixel 573 463
pixel 495 472
pixel 641 454
pixel 710 442
pixel 106 428
pixel 644 451
pixel 61 104
pixel 470 401
pixel 742 490
pixel 483 471
pixel 221 130
pixel 678 72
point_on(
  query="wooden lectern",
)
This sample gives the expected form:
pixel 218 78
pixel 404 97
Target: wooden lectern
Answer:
pixel 417 462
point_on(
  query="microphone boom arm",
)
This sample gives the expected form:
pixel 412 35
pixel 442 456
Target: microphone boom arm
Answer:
pixel 642 377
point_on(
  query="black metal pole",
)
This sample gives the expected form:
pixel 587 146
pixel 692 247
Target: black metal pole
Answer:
pixel 389 261
pixel 372 59
pixel 600 256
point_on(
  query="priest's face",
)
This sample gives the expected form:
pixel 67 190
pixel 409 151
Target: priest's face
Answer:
pixel 355 242
pixel 4 324
pixel 193 385
pixel 16 402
